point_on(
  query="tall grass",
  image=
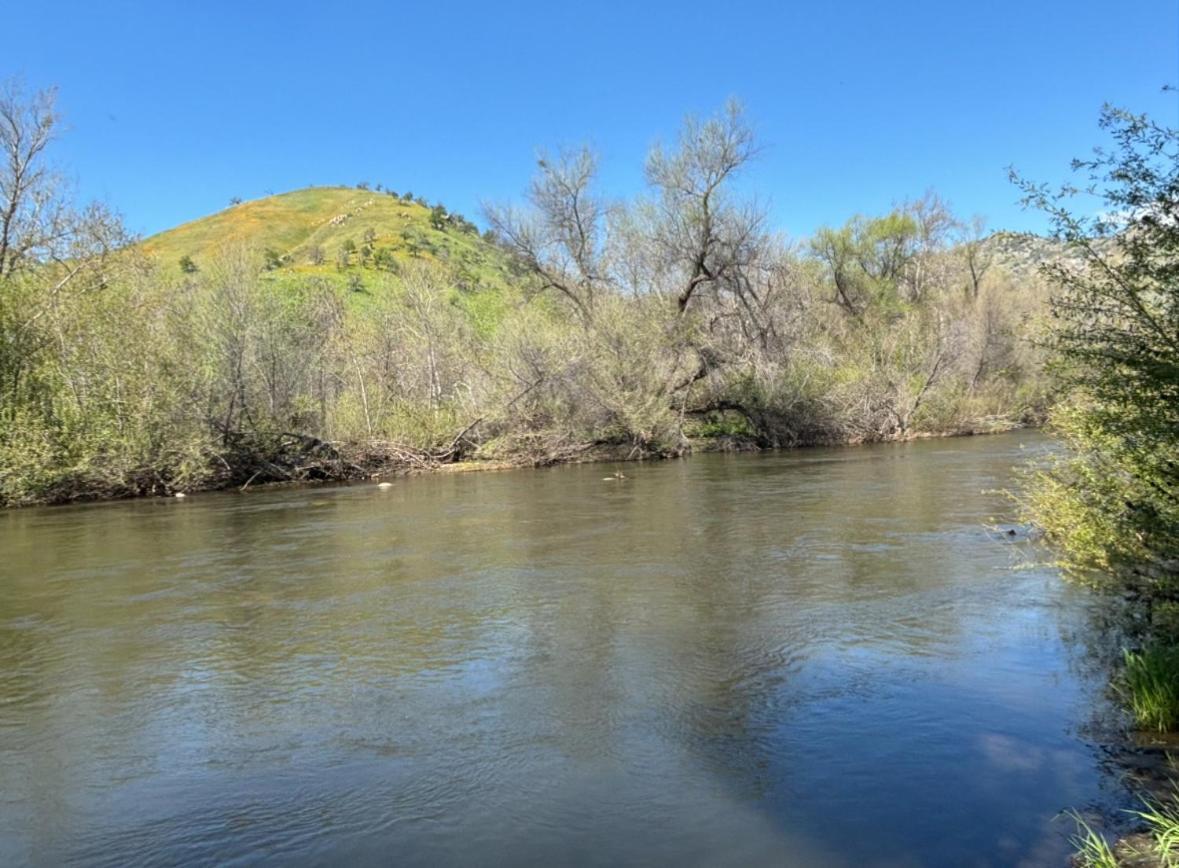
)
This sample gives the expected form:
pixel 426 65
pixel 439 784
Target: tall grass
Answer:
pixel 1150 686
pixel 1163 819
pixel 1092 850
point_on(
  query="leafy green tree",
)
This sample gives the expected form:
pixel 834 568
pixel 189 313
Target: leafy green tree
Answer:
pixel 866 259
pixel 187 266
pixel 383 258
pixel 1112 502
pixel 838 250
pixel 367 248
pixel 886 245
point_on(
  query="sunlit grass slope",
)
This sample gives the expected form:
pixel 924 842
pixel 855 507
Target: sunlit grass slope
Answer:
pixel 309 229
pixel 349 236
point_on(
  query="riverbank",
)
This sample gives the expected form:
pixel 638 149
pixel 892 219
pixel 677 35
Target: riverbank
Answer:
pixel 1147 765
pixel 315 462
pixel 1141 742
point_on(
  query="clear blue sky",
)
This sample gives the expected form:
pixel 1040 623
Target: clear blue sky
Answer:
pixel 175 107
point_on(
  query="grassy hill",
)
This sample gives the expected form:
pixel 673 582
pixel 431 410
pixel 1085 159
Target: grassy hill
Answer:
pixel 308 231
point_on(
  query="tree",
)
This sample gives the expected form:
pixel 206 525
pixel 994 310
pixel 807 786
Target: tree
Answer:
pixel 1112 503
pixel 867 258
pixel 560 239
pixel 708 241
pixel 32 214
pixel 933 224
pixel 976 253
pixel 187 266
pixel 838 250
pixel 383 257
pixel 886 246
pixel 60 248
pixel 366 247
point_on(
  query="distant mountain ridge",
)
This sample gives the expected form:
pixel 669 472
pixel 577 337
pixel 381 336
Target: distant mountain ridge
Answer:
pixel 1022 254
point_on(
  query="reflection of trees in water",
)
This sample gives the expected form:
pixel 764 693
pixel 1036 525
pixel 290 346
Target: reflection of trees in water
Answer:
pixel 1099 625
pixel 690 599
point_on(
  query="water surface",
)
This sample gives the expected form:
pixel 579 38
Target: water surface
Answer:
pixel 821 657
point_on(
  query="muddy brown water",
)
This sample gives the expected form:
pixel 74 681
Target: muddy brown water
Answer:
pixel 821 657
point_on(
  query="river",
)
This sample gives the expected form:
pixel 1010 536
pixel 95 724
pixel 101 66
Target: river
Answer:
pixel 819 657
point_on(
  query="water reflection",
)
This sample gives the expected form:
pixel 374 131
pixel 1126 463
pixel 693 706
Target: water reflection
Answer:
pixel 812 658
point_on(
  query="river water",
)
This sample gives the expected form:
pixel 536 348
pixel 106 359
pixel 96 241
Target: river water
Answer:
pixel 819 657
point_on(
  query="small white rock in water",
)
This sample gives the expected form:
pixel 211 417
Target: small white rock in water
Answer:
pixel 384 485
pixel 180 494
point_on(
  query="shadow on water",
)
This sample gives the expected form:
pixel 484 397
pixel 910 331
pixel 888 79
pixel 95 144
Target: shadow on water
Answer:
pixel 820 658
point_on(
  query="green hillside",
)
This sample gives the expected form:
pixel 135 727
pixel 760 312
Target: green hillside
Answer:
pixel 340 232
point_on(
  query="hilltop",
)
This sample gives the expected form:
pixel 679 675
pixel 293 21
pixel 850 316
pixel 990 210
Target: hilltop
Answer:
pixel 339 231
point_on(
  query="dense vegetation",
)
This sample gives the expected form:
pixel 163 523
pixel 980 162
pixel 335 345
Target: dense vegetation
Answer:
pixel 1109 502
pixel 252 347
pixel 1112 502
